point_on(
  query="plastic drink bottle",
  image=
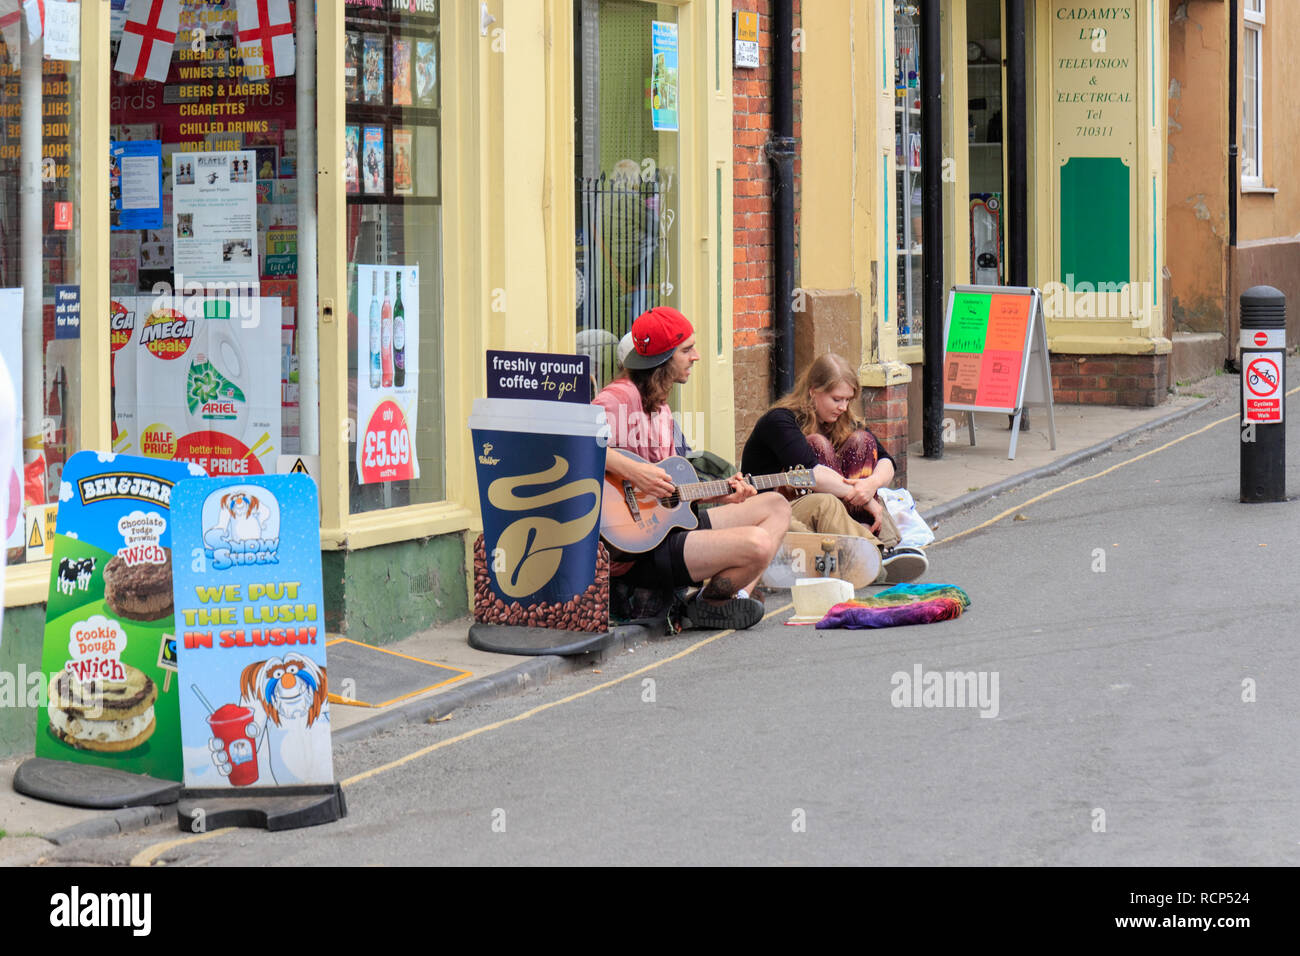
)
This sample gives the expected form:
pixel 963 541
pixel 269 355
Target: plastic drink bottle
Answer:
pixel 386 335
pixel 399 337
pixel 218 383
pixel 374 330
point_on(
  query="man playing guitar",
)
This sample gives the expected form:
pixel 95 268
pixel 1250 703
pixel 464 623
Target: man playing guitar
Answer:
pixel 737 539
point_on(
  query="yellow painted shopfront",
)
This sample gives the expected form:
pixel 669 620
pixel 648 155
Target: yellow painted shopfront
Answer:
pixel 400 188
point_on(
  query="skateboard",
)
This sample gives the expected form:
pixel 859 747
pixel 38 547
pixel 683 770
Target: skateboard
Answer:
pixel 814 555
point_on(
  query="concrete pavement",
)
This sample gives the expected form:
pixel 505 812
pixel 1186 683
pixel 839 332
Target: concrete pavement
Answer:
pixel 964 477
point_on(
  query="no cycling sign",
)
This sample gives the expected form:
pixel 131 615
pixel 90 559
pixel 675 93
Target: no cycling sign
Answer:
pixel 1261 384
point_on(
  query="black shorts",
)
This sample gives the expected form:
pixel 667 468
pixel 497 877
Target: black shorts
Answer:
pixel 666 563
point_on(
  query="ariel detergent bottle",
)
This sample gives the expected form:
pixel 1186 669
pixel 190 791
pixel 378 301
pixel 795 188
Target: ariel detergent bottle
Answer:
pixel 217 386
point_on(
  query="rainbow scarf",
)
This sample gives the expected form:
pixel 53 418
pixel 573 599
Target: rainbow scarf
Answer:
pixel 897 606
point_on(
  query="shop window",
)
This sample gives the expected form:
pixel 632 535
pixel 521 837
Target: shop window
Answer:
pixel 907 171
pixel 984 132
pixel 206 199
pixel 1252 96
pixel 40 253
pixel 628 113
pixel 393 91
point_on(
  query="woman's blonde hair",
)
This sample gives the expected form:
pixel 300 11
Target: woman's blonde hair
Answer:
pixel 827 371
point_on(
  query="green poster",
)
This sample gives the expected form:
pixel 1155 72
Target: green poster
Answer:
pixel 970 322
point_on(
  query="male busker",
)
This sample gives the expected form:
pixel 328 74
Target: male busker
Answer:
pixel 737 539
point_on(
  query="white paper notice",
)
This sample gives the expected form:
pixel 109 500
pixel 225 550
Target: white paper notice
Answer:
pixel 140 182
pixel 214 217
pixel 62 31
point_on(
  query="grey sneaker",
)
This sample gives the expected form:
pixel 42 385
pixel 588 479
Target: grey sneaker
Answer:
pixel 900 565
pixel 736 613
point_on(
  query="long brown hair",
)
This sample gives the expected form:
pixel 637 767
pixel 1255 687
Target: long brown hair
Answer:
pixel 827 371
pixel 653 384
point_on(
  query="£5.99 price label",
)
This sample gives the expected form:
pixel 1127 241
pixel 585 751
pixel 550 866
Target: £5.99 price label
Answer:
pixel 387 448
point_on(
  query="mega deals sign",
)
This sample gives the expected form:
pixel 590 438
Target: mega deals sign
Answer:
pixel 250 631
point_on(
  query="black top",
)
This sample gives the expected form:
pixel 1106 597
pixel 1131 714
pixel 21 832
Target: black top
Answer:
pixel 778 444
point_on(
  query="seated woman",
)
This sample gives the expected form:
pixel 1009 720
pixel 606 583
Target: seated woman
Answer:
pixel 813 426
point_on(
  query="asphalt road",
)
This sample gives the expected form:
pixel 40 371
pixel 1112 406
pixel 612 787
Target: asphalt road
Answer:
pixel 1141 630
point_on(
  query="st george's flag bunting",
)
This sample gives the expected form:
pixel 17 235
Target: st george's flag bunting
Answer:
pixel 148 38
pixel 266 37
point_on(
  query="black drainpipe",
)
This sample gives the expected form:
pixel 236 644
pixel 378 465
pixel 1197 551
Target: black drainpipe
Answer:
pixel 1234 180
pixel 1234 162
pixel 931 229
pixel 781 153
pixel 1017 148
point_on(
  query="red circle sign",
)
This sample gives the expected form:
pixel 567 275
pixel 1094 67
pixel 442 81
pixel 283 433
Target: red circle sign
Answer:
pixel 1263 377
pixel 387 452
pixel 1261 338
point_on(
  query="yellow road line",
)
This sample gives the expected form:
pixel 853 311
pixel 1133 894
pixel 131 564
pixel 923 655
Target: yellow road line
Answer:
pixel 541 708
pixel 146 856
pixel 1078 481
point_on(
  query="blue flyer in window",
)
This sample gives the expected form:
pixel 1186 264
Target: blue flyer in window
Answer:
pixel 135 185
pixel 663 76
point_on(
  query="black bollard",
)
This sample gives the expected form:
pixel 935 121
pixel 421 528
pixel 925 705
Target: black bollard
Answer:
pixel 1263 394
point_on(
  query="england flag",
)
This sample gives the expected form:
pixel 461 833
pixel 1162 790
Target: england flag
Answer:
pixel 266 37
pixel 148 38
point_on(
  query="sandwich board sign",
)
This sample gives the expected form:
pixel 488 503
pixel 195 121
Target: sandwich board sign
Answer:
pixel 111 700
pixel 250 638
pixel 995 354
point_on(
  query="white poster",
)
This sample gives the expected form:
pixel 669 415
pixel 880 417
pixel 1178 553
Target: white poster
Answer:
pixel 388 353
pixel 62 31
pixel 11 459
pixel 214 217
pixel 206 383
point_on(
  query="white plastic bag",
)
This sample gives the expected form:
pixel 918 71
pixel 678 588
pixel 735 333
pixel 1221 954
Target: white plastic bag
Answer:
pixel 911 526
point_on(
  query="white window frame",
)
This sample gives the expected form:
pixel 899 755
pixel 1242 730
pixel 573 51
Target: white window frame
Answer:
pixel 1254 34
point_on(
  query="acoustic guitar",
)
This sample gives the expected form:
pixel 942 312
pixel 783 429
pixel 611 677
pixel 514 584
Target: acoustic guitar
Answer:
pixel 636 522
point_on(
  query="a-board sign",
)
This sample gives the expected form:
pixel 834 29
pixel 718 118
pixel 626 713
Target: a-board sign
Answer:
pixel 542 376
pixel 987 347
pixel 995 355
pixel 111 700
pixel 250 627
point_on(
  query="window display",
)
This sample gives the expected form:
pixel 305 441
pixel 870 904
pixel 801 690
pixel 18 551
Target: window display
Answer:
pixel 40 278
pixel 907 166
pixel 394 244
pixel 626 93
pixel 204 268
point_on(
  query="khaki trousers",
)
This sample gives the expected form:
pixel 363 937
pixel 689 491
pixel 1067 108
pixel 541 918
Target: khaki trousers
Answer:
pixel 826 514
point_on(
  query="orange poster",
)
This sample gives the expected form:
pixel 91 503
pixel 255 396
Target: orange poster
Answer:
pixel 1008 316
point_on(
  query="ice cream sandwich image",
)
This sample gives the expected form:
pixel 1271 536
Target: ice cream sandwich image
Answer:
pixel 101 715
pixel 142 592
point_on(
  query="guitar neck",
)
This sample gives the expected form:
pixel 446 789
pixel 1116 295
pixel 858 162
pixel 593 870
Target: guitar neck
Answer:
pixel 696 490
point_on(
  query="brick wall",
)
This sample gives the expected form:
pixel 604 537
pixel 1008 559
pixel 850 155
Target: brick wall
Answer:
pixel 752 223
pixel 1110 379
pixel 885 410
